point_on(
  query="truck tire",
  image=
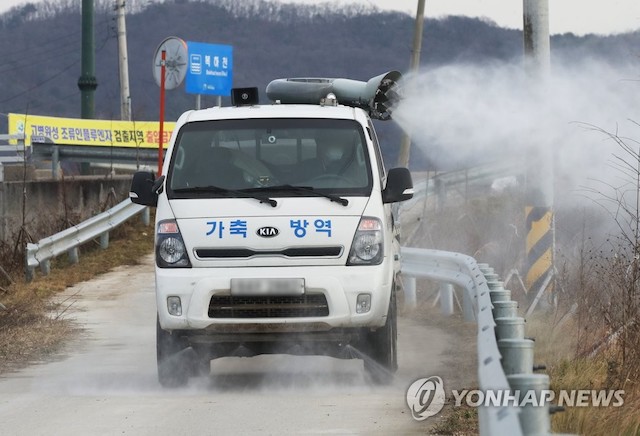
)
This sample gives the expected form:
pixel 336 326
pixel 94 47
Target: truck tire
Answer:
pixel 173 365
pixel 382 347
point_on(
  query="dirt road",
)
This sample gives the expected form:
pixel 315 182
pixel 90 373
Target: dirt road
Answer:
pixel 105 381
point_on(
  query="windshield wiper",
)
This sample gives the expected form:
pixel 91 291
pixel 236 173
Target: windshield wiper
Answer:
pixel 307 189
pixel 218 189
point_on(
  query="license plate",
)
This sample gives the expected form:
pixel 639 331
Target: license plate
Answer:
pixel 269 286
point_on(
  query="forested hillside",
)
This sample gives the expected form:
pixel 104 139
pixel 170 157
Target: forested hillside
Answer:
pixel 41 54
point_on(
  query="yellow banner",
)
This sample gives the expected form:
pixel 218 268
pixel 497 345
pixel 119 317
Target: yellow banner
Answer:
pixel 74 131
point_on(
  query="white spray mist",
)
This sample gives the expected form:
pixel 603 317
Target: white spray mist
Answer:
pixel 462 115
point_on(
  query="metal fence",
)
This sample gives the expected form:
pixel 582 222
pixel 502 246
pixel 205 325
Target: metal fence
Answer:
pixel 68 240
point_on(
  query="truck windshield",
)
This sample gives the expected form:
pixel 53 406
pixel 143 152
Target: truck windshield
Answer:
pixel 328 156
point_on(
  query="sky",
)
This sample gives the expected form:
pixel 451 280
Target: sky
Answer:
pixel 577 16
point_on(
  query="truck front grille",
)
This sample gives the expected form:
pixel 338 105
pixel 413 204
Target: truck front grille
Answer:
pixel 245 253
pixel 299 306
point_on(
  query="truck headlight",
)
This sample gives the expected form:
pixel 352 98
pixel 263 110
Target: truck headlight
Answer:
pixel 170 249
pixel 367 247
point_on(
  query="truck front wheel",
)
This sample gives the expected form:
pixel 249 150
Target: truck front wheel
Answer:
pixel 382 348
pixel 173 363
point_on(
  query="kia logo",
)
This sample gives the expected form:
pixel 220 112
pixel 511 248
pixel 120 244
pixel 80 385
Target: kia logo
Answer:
pixel 267 232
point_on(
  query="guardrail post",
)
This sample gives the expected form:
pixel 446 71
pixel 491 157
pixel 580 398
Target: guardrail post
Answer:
pixel 146 216
pixel 497 292
pixel 493 283
pixel 534 418
pixel 509 328
pixel 446 298
pixel 502 295
pixel 467 307
pixel 73 255
pixel 517 355
pixel 505 309
pixel 104 240
pixel 410 296
pixel 485 268
pixel 45 267
pixel 29 274
pixel 55 162
pixel 441 192
pixel 29 271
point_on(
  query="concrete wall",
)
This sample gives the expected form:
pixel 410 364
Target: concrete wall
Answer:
pixel 52 205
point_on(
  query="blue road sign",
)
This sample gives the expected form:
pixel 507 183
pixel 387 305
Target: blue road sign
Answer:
pixel 210 69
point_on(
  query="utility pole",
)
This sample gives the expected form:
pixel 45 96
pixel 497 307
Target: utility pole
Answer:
pixel 405 145
pixel 537 47
pixel 123 64
pixel 87 81
pixel 539 172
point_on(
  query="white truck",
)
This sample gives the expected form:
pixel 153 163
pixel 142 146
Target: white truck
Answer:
pixel 274 229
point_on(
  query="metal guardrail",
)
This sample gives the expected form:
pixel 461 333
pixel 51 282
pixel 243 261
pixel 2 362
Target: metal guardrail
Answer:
pixel 11 136
pixel 94 154
pixel 505 357
pixel 81 153
pixel 68 241
pixel 74 153
pixel 12 153
pixel 463 271
pixel 439 184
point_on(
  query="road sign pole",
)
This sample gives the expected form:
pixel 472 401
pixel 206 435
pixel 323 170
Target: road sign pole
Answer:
pixel 161 133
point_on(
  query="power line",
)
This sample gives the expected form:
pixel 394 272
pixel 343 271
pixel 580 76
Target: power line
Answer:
pixel 43 103
pixel 27 55
pixel 41 45
pixel 30 62
pixel 68 67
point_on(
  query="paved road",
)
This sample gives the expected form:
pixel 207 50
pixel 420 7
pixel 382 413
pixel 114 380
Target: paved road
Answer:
pixel 105 381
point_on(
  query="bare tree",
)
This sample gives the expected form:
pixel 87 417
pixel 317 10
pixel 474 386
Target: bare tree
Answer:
pixel 616 263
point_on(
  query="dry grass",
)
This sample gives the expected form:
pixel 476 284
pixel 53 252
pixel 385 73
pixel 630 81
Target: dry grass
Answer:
pixel 556 347
pixel 30 326
pixel 457 421
pixel 594 421
pixel 555 340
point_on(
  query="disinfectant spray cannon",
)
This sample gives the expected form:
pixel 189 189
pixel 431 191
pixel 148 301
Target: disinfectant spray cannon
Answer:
pixel 378 96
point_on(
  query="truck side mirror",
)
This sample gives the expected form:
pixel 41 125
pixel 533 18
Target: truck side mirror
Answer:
pixel 144 188
pixel 399 186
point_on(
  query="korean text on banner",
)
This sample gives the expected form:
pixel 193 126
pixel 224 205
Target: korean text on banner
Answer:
pixel 74 131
